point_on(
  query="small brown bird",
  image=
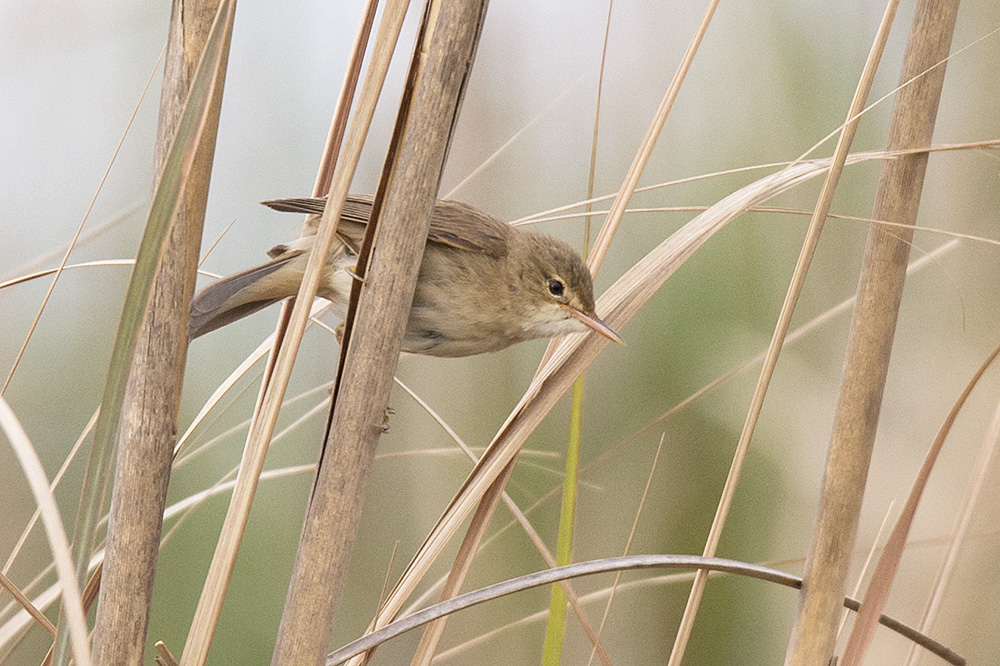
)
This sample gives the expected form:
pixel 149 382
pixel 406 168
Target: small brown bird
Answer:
pixel 483 284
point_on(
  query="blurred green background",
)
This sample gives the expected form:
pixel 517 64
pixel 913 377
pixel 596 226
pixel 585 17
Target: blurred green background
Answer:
pixel 771 79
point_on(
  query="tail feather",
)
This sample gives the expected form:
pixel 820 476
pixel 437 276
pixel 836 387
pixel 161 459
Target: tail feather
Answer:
pixel 242 294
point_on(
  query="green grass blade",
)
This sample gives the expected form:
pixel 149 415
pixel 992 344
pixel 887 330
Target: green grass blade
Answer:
pixel 556 628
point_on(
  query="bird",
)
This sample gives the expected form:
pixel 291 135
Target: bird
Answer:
pixel 483 284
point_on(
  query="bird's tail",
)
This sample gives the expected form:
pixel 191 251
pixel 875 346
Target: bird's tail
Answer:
pixel 244 293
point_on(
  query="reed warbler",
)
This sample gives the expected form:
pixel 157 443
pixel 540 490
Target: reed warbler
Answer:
pixel 483 284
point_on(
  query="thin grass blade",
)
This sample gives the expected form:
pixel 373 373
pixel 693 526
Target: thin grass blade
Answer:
pixel 888 563
pixel 35 474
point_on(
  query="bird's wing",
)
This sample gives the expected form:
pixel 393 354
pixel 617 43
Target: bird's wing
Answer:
pixel 454 224
pixel 467 228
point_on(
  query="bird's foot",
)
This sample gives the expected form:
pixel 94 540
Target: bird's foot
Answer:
pixel 389 411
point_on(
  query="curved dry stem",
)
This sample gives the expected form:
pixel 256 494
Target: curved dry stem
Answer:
pixel 54 530
pixel 611 564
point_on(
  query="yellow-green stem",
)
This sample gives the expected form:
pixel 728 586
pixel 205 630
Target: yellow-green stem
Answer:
pixel 564 549
pixel 556 628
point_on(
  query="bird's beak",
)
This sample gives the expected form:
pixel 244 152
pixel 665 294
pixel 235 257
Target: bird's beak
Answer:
pixel 595 324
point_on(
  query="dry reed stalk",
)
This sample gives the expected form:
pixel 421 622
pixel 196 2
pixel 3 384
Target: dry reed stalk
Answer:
pixel 885 571
pixel 641 159
pixel 271 345
pixel 276 379
pixel 164 657
pixel 433 632
pixel 870 341
pixel 25 603
pixel 152 395
pixel 816 223
pixel 338 124
pixel 439 71
pixel 475 531
pixel 324 177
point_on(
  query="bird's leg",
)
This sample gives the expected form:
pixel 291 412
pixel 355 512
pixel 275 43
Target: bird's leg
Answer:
pixel 389 411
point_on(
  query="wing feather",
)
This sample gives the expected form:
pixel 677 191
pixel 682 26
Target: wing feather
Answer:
pixel 453 224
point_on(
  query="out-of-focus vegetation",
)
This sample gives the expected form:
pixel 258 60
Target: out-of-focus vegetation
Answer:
pixel 771 79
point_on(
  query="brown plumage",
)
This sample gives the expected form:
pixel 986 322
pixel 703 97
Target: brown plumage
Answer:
pixel 483 284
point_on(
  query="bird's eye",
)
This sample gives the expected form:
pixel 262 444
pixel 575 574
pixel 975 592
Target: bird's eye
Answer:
pixel 556 288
